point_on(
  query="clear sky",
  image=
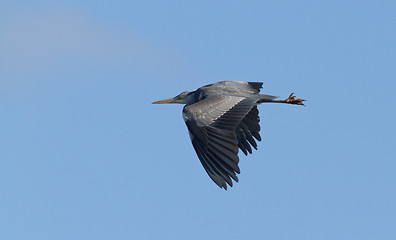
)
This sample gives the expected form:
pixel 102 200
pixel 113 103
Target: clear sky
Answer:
pixel 85 155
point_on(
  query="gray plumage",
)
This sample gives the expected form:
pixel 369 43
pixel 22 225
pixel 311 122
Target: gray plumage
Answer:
pixel 222 118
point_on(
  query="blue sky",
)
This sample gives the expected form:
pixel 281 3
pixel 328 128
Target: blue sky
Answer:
pixel 85 155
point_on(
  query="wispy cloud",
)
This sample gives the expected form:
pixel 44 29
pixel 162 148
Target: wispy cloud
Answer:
pixel 40 40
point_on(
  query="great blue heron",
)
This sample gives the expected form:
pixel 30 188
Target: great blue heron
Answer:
pixel 221 117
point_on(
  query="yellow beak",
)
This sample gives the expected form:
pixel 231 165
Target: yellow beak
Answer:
pixel 170 100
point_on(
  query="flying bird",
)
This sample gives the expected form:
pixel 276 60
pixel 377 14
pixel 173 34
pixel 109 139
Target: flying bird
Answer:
pixel 221 119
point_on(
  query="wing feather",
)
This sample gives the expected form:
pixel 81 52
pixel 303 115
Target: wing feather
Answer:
pixel 212 124
pixel 247 129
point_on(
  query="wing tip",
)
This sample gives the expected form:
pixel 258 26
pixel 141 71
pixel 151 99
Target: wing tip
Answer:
pixel 256 86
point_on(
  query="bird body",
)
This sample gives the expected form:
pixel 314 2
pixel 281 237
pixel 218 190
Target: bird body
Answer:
pixel 222 118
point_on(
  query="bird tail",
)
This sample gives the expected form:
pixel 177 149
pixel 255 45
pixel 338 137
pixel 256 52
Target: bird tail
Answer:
pixel 265 98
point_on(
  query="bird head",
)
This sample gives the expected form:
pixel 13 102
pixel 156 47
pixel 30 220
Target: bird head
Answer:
pixel 182 98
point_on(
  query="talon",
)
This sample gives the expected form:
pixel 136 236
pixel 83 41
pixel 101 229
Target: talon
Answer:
pixel 290 98
pixel 293 100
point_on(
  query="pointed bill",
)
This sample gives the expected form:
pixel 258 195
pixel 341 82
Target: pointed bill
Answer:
pixel 170 100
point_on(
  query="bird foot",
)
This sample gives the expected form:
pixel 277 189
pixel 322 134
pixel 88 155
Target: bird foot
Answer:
pixel 293 100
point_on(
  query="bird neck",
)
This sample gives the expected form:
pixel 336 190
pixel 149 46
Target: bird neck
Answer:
pixel 193 98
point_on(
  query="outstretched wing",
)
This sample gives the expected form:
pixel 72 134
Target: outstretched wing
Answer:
pixel 212 123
